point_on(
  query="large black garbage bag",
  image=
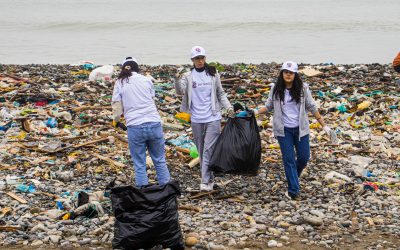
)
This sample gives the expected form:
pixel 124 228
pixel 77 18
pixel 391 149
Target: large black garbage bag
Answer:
pixel 238 148
pixel 146 217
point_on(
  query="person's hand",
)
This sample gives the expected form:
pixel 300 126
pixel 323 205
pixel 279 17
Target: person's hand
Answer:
pixel 331 134
pixel 231 113
pixel 119 125
pixel 179 72
pixel 327 130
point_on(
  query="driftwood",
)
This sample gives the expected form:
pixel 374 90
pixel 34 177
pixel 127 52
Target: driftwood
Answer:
pixel 79 109
pixel 16 197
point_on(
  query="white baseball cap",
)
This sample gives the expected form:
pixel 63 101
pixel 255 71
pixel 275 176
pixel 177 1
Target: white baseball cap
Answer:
pixel 197 51
pixel 291 66
pixel 130 59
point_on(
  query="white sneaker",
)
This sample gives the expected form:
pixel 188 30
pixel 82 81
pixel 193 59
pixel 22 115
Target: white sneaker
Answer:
pixel 205 187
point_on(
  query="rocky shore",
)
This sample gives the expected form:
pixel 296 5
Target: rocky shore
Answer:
pixel 57 144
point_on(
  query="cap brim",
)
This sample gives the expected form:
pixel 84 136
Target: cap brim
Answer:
pixel 198 55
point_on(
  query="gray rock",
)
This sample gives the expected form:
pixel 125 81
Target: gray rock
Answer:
pixel 213 246
pixel 300 229
pixel 55 238
pixel 285 238
pixel 250 231
pixel 313 220
pixel 84 241
pixel 37 243
pixel 272 243
pixel 304 241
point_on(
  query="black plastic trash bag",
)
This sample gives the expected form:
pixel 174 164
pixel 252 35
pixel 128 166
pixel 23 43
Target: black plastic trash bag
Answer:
pixel 146 217
pixel 238 148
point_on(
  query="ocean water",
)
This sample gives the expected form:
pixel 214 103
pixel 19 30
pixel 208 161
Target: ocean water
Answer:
pixel 163 31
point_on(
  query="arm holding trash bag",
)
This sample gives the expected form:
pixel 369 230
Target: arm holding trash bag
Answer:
pixel 222 98
pixel 117 107
pixel 269 105
pixel 310 106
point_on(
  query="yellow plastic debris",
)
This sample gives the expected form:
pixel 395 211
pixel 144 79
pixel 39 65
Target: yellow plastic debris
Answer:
pixel 315 125
pixel 184 117
pixel 66 216
pixel 274 146
pixel 364 105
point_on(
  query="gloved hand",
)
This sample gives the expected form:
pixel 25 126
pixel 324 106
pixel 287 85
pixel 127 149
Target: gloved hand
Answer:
pixel 327 130
pixel 119 125
pixel 331 134
pixel 179 72
pixel 231 113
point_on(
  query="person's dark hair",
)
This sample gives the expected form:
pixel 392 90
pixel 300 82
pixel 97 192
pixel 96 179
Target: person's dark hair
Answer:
pixel 295 92
pixel 127 69
pixel 210 70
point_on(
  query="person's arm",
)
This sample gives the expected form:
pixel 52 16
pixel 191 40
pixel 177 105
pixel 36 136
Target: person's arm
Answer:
pixel 180 83
pixel 222 97
pixel 152 90
pixel 269 105
pixel 319 118
pixel 396 63
pixel 116 102
pixel 311 106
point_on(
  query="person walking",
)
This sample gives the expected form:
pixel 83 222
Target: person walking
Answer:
pixel 291 100
pixel 203 99
pixel 133 96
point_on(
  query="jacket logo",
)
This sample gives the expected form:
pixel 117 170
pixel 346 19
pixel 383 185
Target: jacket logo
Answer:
pixel 194 85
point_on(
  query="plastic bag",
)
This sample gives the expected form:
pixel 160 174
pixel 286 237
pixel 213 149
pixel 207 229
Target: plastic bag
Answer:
pixel 146 217
pixel 238 149
pixel 102 73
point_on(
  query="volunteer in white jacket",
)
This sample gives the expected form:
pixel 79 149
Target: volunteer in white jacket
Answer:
pixel 203 98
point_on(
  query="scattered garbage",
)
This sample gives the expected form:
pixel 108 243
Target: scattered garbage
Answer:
pixel 57 144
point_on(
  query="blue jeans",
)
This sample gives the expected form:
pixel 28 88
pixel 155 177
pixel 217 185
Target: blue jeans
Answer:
pixel 294 162
pixel 148 135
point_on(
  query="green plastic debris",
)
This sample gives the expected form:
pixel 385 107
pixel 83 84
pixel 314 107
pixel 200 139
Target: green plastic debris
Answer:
pixel 193 152
pixel 342 108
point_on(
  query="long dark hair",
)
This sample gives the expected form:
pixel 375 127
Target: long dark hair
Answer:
pixel 296 91
pixel 210 70
pixel 127 69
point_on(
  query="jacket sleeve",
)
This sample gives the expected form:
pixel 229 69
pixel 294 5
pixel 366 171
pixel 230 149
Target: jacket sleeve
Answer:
pixel 180 84
pixel 116 102
pixel 270 102
pixel 396 63
pixel 221 95
pixel 311 106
